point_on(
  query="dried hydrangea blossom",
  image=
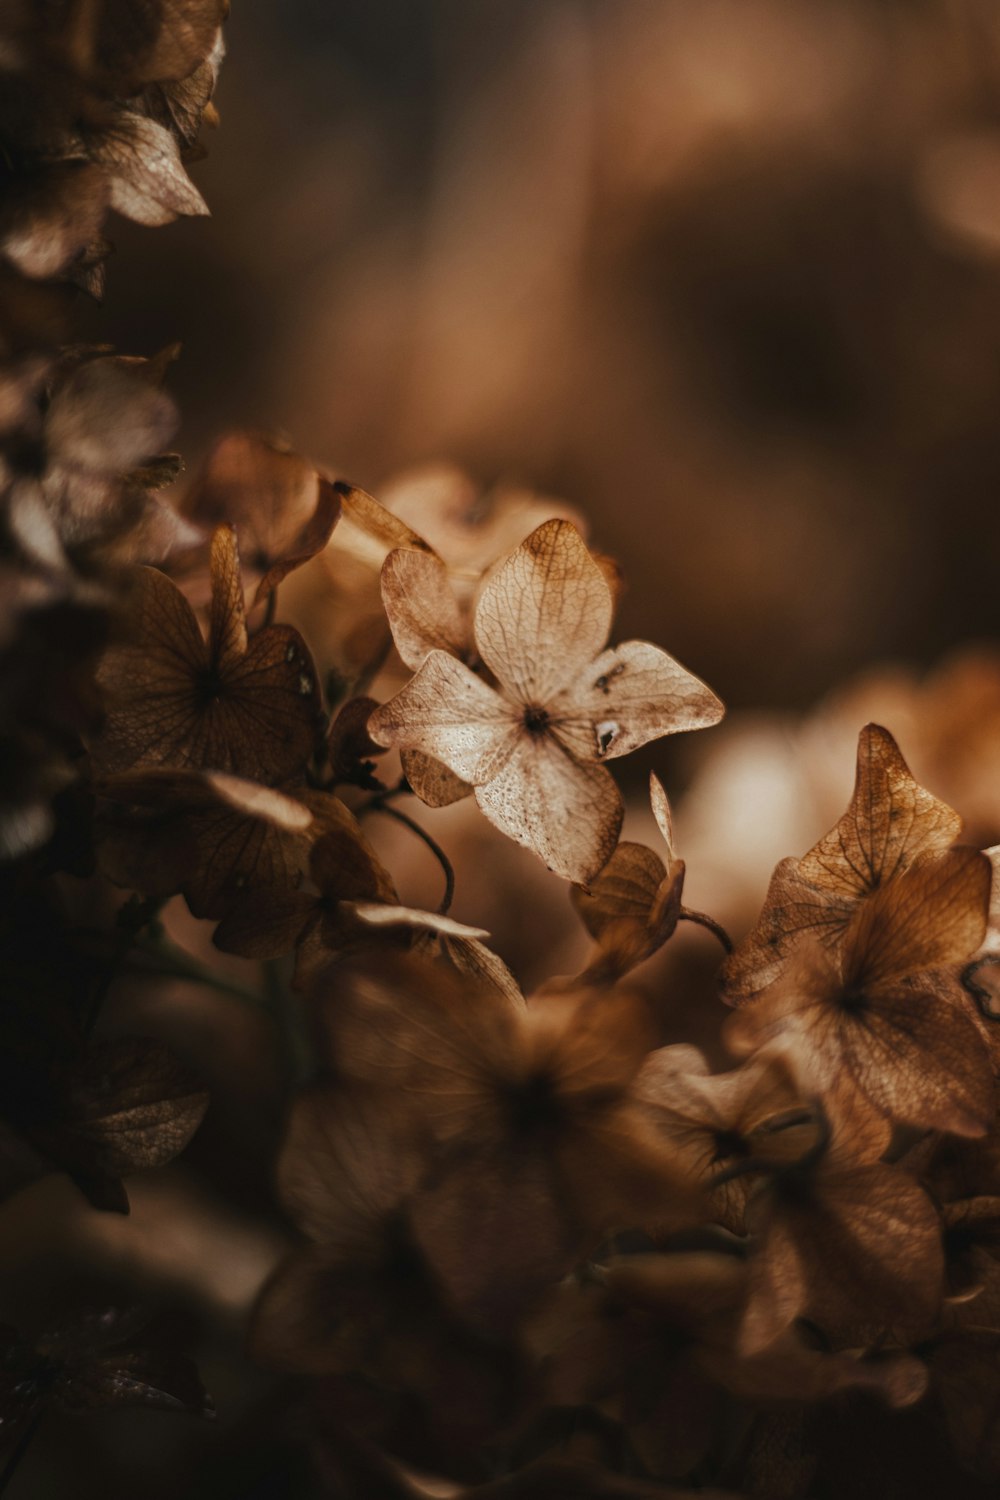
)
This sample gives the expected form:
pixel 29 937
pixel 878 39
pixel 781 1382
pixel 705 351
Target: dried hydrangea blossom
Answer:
pixel 880 1023
pixel 891 821
pixel 246 705
pixel 533 747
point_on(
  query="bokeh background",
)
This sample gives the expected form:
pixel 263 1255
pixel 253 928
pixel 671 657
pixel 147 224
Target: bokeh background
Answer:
pixel 724 274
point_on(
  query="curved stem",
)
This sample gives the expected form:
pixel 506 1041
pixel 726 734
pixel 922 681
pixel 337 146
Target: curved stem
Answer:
pixel 270 608
pixel 378 805
pixel 702 919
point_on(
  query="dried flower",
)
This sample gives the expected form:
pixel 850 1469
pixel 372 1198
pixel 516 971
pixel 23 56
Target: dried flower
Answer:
pixel 533 747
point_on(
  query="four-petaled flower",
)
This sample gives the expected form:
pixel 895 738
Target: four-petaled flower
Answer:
pixel 533 746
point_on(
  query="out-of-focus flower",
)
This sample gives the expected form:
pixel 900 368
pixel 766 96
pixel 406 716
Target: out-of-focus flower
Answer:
pixel 101 103
pixel 280 506
pixel 532 748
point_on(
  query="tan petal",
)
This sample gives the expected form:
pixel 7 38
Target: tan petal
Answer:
pixel 371 531
pixel 450 714
pixel 227 637
pixel 377 914
pixel 934 912
pixel 486 968
pixel 793 909
pixel 431 781
pixel 630 695
pixel 148 180
pixel 891 820
pixel 345 1167
pixel 422 609
pixel 543 615
pixel 661 812
pixel 590 1043
pixel 567 813
pixel 494 1236
pixel 626 887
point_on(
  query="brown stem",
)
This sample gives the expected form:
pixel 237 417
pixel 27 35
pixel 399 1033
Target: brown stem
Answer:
pixel 270 608
pixel 702 919
pixel 378 805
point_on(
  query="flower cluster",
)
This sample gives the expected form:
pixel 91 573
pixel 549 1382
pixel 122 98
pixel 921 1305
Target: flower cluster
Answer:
pixel 535 1244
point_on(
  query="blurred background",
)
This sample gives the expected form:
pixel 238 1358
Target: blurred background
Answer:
pixel 725 275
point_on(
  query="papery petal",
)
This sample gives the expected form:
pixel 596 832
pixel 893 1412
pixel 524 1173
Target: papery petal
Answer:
pixel 630 695
pixel 431 781
pixel 227 637
pixel 793 907
pixel 891 820
pixel 449 713
pixel 421 607
pixel 932 913
pixel 543 615
pixel 567 813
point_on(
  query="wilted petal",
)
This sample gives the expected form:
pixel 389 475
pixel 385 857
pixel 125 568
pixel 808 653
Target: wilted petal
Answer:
pixel 431 781
pixel 934 912
pixel 148 180
pixel 449 713
pixel 793 908
pixel 377 914
pixel 891 820
pixel 630 695
pixel 543 616
pixel 421 606
pixel 567 813
pixel 661 812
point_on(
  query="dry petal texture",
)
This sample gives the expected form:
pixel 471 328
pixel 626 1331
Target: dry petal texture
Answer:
pixel 532 747
pixel 879 1023
pixel 634 905
pixel 248 707
pixel 890 822
pixel 282 509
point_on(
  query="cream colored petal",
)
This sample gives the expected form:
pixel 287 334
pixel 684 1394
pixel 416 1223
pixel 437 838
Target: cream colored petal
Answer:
pixel 628 696
pixel 378 914
pixel 544 614
pixel 450 713
pixel 568 814
pixel 421 606
pixel 661 812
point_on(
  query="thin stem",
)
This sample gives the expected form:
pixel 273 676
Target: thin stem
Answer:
pixel 21 1448
pixel 381 798
pixel 702 919
pixel 270 608
pixel 378 805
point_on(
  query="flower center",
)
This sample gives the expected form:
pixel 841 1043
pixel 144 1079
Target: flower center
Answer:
pixel 853 1000
pixel 536 720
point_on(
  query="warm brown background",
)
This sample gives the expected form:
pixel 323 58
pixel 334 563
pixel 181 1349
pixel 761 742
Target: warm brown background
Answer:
pixel 726 273
pixel 723 273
